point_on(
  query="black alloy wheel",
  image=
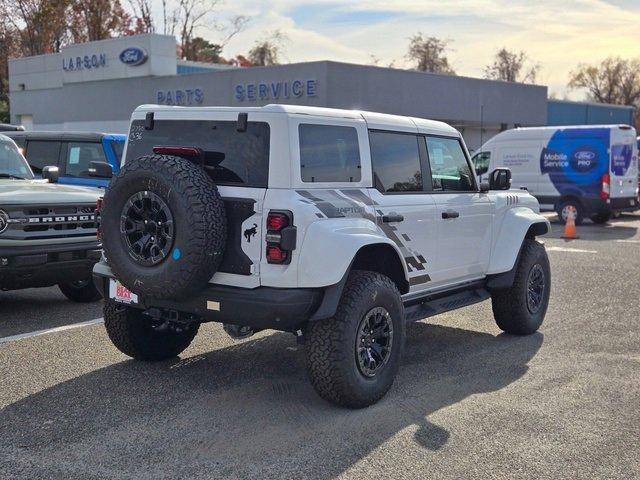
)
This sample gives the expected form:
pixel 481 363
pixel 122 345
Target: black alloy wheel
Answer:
pixel 374 341
pixel 147 228
pixel 535 288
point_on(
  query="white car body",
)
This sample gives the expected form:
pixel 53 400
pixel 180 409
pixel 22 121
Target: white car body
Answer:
pixel 484 240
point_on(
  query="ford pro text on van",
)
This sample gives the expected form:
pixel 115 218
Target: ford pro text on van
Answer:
pixel 588 171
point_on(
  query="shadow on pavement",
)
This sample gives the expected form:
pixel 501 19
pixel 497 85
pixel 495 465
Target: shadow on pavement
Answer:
pixel 616 229
pixel 23 311
pixel 246 411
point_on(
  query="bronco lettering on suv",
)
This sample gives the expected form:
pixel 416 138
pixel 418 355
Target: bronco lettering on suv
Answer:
pixel 338 226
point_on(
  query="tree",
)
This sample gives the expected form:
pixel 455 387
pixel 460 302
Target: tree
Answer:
pixel 40 25
pixel 8 48
pixel 509 66
pixel 98 19
pixel 192 15
pixel 614 80
pixel 268 50
pixel 142 16
pixel 201 50
pixel 429 54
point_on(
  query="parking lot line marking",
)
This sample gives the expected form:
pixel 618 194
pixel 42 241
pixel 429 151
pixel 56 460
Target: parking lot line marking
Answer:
pixel 627 241
pixel 571 250
pixel 47 331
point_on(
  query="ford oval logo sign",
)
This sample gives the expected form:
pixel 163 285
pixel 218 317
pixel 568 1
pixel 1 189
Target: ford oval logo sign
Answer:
pixel 133 56
pixel 585 155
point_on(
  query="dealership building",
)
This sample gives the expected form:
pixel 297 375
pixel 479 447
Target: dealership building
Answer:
pixel 95 86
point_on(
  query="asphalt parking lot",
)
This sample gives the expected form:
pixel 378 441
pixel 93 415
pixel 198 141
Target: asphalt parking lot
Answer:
pixel 468 402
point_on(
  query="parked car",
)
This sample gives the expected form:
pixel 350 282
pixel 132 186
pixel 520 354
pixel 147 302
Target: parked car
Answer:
pixel 336 225
pixel 7 127
pixel 590 171
pixel 47 231
pixel 73 153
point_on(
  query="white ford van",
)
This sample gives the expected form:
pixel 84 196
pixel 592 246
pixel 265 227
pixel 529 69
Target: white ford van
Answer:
pixel 592 169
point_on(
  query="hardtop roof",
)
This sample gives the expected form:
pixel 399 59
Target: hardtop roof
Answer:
pixel 386 119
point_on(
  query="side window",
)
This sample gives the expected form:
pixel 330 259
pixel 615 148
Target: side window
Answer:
pixel 79 157
pixel 481 162
pixel 329 153
pixel 42 154
pixel 450 170
pixel 396 162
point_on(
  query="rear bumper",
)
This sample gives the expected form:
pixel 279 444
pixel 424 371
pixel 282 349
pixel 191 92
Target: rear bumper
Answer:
pixel 284 309
pixel 46 265
pixel 599 206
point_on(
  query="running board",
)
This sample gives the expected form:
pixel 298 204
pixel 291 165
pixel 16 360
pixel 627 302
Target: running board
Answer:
pixel 430 307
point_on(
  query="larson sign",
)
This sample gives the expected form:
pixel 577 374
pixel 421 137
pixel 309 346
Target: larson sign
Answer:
pixel 85 62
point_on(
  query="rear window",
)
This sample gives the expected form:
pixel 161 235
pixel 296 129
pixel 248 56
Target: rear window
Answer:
pixel 42 154
pixel 329 153
pixel 231 157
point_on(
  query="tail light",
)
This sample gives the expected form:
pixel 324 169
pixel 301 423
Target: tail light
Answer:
pixel 281 237
pixel 97 217
pixel 605 192
pixel 176 151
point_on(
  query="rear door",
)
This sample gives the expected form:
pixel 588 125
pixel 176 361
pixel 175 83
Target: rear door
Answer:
pixel 624 164
pixel 463 214
pixel 237 161
pixel 42 153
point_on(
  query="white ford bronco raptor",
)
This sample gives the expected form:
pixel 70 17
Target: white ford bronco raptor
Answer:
pixel 339 226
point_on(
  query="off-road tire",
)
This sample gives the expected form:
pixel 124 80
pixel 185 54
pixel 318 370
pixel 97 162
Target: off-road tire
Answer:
pixel 199 226
pixel 601 218
pixel 571 202
pixel 331 344
pixel 510 308
pixel 131 332
pixel 81 292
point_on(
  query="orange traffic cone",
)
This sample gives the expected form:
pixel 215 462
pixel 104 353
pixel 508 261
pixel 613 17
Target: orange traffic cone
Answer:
pixel 570 232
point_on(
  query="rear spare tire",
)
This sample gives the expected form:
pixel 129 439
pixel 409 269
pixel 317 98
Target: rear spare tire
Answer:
pixel 163 226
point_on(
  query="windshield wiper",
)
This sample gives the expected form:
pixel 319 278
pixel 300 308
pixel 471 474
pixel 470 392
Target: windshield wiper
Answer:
pixel 9 175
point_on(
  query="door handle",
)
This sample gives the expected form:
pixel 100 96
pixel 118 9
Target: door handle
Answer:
pixel 392 218
pixel 450 214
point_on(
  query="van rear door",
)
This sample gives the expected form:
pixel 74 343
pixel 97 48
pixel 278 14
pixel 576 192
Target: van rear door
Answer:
pixel 624 165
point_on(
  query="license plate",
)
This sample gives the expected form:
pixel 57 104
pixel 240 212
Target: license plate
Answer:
pixel 120 293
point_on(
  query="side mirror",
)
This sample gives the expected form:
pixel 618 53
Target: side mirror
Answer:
pixel 100 170
pixel 500 179
pixel 51 173
pixel 484 187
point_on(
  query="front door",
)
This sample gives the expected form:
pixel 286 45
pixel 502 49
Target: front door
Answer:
pixel 404 208
pixel 463 214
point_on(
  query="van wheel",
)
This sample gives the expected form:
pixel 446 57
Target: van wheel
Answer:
pixel 353 358
pixel 600 217
pixel 135 335
pixel 81 291
pixel 568 207
pixel 520 310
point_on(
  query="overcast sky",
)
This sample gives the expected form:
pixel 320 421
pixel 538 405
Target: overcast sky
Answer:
pixel 557 34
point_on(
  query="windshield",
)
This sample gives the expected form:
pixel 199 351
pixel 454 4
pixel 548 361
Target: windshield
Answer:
pixel 12 163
